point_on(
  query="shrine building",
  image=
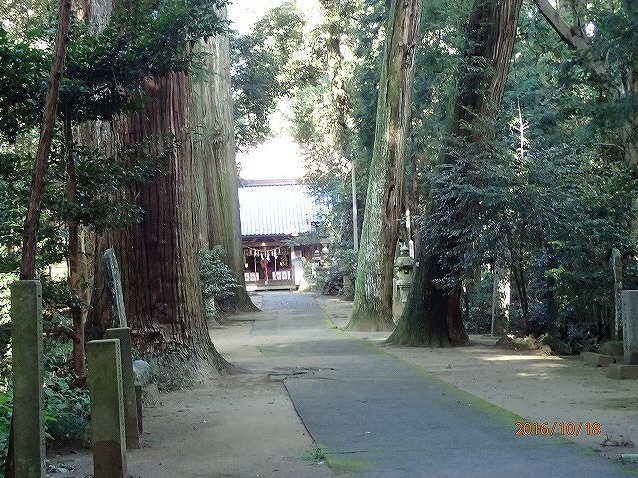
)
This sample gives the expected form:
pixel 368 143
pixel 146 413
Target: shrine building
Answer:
pixel 278 218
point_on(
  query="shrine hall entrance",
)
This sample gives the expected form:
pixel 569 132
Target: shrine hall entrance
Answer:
pixel 275 214
pixel 269 268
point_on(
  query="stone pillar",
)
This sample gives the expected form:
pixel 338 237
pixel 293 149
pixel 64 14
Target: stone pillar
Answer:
pixel 114 283
pixel 128 385
pixel 616 265
pixel 26 335
pixel 107 408
pixel 630 326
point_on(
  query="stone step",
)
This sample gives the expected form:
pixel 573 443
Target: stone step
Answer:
pixel 596 359
pixel 613 347
pixel 618 370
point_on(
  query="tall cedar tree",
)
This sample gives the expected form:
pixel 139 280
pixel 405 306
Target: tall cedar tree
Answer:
pixel 214 148
pixel 386 183
pixel 432 314
pixel 158 257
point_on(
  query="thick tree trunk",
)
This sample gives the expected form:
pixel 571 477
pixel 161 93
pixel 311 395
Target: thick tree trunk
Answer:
pixel 214 151
pixel 432 315
pixel 386 186
pixel 158 257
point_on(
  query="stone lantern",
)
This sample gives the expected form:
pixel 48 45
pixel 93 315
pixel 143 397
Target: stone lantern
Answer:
pixel 405 267
pixel 318 271
pixel 316 258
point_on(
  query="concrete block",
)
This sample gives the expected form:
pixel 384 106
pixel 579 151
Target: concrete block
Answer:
pixel 597 360
pixel 107 408
pixel 26 336
pixel 618 370
pixel 123 334
pixel 614 347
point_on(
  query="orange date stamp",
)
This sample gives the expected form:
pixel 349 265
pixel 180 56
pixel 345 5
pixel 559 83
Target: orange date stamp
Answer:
pixel 571 429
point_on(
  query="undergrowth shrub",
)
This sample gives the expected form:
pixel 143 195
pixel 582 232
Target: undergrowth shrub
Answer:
pixel 218 282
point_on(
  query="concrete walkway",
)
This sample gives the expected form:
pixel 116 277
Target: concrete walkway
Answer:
pixel 378 416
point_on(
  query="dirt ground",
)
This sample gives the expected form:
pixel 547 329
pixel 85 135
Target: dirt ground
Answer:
pixel 246 426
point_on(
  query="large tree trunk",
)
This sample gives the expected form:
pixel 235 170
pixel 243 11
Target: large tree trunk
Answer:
pixel 386 186
pixel 340 126
pixel 432 315
pixel 214 151
pixel 158 257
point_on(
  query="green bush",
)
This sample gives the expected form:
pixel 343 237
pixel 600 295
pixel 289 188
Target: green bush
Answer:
pixel 66 413
pixel 6 408
pixel 217 280
pixel 66 406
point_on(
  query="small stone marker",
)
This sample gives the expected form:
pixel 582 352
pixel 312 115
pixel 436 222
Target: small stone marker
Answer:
pixel 630 326
pixel 616 264
pixel 107 408
pixel 629 369
pixel 114 283
pixel 128 385
pixel 26 336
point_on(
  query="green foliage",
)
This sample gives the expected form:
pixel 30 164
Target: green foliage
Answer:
pixel 66 413
pixel 218 282
pixel 15 188
pixel 361 33
pixel 477 304
pixel 5 331
pixel 264 70
pixel 6 409
pixel 547 196
pixel 24 78
pixel 315 453
pixel 105 75
pixel 104 72
pixel 99 179
pixel 343 266
pixel 66 406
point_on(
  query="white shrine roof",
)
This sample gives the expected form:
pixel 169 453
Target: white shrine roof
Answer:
pixel 277 209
